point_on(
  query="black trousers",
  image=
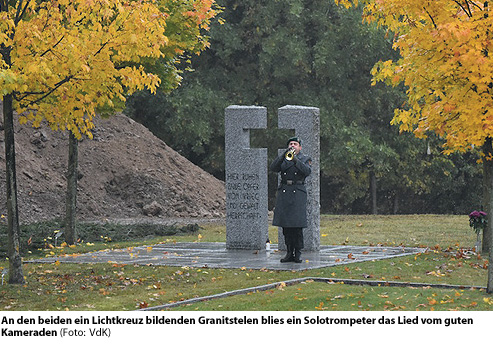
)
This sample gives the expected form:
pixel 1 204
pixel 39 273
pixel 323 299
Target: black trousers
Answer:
pixel 293 237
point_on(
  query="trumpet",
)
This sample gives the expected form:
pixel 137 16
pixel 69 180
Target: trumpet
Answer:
pixel 290 154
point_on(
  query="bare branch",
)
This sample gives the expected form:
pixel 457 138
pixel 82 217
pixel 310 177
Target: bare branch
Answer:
pixel 51 91
pixel 20 13
pixel 467 7
pixel 431 17
pixel 101 48
pixel 476 5
pixel 54 46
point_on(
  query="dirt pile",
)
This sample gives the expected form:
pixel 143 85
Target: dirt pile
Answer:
pixel 125 172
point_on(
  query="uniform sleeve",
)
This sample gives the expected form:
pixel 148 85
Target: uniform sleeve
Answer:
pixel 276 164
pixel 304 165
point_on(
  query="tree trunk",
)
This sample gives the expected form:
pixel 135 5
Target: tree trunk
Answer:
pixel 373 192
pixel 396 203
pixel 488 188
pixel 71 199
pixel 15 261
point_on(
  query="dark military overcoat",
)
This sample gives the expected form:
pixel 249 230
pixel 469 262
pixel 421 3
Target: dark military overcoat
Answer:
pixel 290 210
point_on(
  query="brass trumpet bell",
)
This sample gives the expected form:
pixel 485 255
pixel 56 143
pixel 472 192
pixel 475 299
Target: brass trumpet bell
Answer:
pixel 290 154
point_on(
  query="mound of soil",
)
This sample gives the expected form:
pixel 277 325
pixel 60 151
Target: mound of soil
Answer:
pixel 125 172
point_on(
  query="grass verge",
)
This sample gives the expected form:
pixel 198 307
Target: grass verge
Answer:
pixel 446 259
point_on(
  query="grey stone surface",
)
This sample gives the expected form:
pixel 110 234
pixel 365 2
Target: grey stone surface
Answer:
pixel 306 123
pixel 215 255
pixel 246 179
pixel 246 175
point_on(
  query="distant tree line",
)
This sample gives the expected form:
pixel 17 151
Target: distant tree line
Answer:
pixel 312 53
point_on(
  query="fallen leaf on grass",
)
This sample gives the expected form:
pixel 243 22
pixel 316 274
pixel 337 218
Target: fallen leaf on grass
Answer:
pixel 143 305
pixel 489 301
pixel 435 273
pixel 103 291
pixel 432 301
pixel 281 286
pixel 446 301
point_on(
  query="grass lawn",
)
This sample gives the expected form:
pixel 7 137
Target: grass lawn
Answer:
pixel 446 259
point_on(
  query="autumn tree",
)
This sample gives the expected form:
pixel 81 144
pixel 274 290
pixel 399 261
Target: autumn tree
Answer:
pixel 63 60
pixel 185 25
pixel 446 65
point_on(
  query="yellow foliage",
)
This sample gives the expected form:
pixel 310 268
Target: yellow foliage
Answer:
pixel 63 60
pixel 445 64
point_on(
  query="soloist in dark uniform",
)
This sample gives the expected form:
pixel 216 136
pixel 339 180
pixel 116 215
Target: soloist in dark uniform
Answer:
pixel 290 209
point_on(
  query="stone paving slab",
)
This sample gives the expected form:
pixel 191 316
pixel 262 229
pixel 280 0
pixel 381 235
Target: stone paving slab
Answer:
pixel 215 255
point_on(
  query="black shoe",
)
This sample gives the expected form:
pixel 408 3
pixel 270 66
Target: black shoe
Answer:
pixel 288 258
pixel 289 255
pixel 297 254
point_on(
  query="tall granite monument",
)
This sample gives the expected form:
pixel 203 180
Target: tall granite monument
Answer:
pixel 306 123
pixel 246 175
pixel 246 179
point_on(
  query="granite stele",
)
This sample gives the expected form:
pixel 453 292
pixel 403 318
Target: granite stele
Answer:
pixel 247 220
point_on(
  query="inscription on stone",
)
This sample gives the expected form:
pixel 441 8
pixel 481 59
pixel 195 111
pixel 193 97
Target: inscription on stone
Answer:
pixel 244 199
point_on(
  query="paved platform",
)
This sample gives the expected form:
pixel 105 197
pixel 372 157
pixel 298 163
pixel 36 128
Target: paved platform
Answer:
pixel 215 255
